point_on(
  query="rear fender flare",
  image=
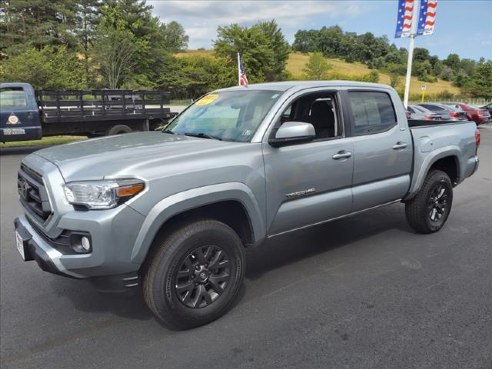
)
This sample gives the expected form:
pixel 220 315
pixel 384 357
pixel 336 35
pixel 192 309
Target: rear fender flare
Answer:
pixel 428 162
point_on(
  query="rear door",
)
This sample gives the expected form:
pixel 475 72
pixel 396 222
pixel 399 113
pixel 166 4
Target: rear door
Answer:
pixel 19 114
pixel 382 149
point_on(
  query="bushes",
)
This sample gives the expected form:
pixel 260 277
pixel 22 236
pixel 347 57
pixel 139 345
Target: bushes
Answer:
pixel 50 68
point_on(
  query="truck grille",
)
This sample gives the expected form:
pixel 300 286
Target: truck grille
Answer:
pixel 32 193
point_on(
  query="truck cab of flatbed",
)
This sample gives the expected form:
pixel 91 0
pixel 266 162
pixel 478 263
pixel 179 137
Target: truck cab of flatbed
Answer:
pixel 19 113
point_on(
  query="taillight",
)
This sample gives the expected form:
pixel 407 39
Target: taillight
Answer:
pixel 477 140
pixel 428 117
pixel 453 114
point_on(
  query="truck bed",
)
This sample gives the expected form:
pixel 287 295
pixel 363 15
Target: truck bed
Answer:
pixel 456 139
pixel 103 105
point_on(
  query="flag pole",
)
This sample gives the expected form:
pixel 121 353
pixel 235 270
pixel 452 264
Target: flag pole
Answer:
pixel 413 34
pixel 238 69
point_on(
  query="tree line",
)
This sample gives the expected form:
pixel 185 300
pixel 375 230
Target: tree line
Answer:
pixel 90 44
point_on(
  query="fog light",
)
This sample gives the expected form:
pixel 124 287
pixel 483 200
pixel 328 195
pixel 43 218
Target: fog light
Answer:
pixel 85 243
pixel 80 243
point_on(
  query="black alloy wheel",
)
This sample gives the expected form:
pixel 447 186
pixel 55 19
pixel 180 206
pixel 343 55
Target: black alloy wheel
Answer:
pixel 438 201
pixel 428 211
pixel 203 276
pixel 194 273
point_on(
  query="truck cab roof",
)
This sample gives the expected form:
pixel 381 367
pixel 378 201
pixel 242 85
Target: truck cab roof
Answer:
pixel 301 85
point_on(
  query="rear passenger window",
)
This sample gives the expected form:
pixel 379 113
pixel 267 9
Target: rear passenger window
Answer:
pixel 373 112
pixel 13 97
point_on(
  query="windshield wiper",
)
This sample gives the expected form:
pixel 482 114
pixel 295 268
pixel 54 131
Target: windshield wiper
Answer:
pixel 202 135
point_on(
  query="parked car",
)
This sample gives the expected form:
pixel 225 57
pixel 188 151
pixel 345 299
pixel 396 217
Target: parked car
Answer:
pixel 420 113
pixel 478 115
pixel 446 112
pixel 487 107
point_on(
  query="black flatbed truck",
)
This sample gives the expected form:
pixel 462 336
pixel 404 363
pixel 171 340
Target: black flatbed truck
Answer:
pixel 26 114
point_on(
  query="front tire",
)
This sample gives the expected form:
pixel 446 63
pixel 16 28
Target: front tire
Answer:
pixel 428 211
pixel 195 275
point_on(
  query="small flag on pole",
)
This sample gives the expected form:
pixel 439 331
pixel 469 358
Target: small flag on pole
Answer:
pixel 427 17
pixel 404 19
pixel 243 80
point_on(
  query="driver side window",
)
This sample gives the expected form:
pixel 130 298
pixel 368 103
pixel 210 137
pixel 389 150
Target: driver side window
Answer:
pixel 318 109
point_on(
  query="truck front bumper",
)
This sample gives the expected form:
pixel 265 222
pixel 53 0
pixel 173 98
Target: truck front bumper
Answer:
pixel 106 265
pixel 31 248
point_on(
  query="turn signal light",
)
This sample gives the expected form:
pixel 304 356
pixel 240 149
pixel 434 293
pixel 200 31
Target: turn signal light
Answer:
pixel 129 190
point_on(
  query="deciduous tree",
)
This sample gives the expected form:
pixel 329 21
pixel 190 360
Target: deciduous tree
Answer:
pixel 317 67
pixel 262 47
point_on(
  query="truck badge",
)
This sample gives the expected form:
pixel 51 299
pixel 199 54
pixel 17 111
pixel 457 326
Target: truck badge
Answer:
pixel 23 188
pixel 13 119
pixel 300 193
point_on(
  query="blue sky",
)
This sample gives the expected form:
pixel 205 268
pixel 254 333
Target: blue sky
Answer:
pixel 462 26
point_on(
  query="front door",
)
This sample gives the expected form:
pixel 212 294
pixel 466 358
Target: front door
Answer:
pixel 309 183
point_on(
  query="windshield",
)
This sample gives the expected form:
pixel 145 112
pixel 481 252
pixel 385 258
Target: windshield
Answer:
pixel 225 115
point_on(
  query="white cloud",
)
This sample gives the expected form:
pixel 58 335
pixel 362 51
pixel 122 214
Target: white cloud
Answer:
pixel 201 18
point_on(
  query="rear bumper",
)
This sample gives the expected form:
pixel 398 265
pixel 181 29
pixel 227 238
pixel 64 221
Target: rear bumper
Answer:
pixel 20 134
pixel 477 162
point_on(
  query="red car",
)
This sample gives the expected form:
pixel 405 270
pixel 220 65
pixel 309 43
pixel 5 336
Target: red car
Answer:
pixel 478 115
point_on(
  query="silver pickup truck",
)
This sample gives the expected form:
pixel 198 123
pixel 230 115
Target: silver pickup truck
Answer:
pixel 173 210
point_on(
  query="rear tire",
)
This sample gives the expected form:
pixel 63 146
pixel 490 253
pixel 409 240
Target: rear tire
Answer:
pixel 118 129
pixel 195 274
pixel 428 211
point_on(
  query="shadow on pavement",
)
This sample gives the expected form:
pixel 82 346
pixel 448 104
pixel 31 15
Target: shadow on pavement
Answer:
pixel 85 298
pixel 20 150
pixel 295 246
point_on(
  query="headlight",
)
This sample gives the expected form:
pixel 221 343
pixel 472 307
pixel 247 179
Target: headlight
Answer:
pixel 102 194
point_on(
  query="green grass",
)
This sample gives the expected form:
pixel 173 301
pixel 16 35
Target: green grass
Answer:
pixel 45 141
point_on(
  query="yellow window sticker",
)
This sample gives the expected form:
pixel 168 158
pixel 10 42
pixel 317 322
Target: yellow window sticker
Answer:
pixel 207 100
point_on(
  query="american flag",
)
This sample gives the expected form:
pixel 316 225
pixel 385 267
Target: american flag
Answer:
pixel 243 80
pixel 427 17
pixel 404 20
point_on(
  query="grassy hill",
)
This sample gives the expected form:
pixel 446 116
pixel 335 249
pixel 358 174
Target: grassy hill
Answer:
pixel 297 62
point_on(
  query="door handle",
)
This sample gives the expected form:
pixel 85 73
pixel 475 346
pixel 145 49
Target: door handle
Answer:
pixel 342 155
pixel 400 145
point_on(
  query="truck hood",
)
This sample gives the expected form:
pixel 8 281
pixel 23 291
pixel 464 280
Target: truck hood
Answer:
pixel 129 155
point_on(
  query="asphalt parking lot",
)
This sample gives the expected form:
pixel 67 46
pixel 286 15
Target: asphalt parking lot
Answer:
pixel 363 292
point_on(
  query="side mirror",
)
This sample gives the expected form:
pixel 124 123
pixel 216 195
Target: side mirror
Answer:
pixel 292 133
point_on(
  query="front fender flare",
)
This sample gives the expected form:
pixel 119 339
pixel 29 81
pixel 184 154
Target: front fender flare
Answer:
pixel 192 199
